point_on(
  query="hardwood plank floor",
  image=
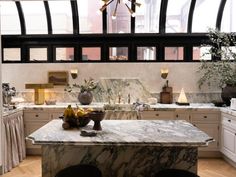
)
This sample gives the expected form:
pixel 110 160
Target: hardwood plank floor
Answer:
pixel 31 167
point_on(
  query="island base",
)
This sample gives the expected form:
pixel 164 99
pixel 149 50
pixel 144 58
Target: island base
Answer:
pixel 119 161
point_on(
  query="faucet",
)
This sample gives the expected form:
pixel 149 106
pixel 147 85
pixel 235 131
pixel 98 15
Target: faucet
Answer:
pixel 128 98
pixel 119 97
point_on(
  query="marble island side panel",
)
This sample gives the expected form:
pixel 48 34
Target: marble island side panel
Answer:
pixel 119 161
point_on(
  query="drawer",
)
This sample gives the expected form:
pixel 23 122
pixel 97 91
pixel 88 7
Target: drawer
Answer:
pixel 157 115
pixel 199 117
pixel 36 116
pixel 228 121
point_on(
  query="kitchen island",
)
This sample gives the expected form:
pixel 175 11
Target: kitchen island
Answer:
pixel 124 148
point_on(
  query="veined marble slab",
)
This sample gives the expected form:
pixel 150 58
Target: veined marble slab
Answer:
pixel 125 132
pixel 192 106
pixel 119 161
pixel 228 111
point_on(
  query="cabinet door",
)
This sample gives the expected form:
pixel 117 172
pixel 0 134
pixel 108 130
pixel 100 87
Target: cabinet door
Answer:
pixel 228 142
pixel 157 115
pixel 213 131
pixel 30 127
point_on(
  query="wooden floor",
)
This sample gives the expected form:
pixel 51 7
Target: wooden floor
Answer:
pixel 31 167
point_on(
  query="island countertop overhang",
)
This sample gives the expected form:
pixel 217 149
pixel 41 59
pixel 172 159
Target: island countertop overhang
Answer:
pixel 125 132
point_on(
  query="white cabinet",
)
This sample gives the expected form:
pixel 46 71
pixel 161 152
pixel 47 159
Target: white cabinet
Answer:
pixel 208 123
pixel 157 115
pixel 228 136
pixel 35 119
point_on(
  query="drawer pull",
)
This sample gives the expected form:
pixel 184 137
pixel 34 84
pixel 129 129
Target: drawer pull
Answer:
pixel 229 120
pixel 205 117
pixel 157 114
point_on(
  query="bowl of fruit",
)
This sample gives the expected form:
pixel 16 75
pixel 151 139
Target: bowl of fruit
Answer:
pixel 78 118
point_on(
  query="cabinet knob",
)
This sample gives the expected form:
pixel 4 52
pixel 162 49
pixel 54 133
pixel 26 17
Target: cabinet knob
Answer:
pixel 229 120
pixel 36 115
pixel 157 114
pixel 177 115
pixel 205 117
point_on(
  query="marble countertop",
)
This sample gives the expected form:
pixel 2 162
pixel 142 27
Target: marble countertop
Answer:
pixel 125 132
pixel 61 105
pixel 228 110
pixel 100 105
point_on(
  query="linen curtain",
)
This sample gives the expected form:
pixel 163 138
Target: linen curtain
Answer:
pixel 14 140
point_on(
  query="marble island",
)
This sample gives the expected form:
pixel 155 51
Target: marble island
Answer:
pixel 124 148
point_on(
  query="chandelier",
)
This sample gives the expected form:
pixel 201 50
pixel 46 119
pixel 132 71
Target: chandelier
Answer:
pixel 118 2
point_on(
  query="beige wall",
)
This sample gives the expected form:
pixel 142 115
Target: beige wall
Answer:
pixel 180 74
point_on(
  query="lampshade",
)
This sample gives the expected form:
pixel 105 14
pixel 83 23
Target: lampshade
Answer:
pixel 182 100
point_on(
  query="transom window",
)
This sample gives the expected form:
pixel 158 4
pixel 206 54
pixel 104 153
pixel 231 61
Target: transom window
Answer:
pixel 76 31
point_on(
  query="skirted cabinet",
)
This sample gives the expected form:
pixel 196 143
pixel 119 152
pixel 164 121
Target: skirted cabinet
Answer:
pixel 13 140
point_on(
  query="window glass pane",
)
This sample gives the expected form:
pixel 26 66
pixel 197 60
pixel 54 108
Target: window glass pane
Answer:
pixel 174 53
pixel 177 15
pixel 61 17
pixel 205 14
pixel 64 54
pixel 118 53
pixel 146 53
pixel 89 20
pixel 201 53
pixel 38 54
pixel 11 54
pixel 91 53
pixel 10 23
pixel 147 16
pixel 123 18
pixel 35 17
pixel 228 23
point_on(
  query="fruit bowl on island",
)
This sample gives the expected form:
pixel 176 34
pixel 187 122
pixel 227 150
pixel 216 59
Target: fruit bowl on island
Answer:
pixel 72 119
pixel 97 117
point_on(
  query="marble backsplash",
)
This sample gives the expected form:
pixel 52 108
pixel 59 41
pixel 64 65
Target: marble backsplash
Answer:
pixel 112 88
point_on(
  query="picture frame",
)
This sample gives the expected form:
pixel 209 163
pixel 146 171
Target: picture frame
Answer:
pixel 58 77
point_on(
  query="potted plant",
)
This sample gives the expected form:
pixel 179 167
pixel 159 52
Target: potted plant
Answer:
pixel 85 96
pixel 221 73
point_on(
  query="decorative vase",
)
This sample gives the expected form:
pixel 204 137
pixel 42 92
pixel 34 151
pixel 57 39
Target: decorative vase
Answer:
pixel 227 93
pixel 85 98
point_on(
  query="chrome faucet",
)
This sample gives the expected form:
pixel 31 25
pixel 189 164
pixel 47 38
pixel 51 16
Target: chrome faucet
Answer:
pixel 119 97
pixel 128 98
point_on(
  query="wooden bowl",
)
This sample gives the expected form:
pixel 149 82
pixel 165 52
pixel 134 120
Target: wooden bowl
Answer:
pixel 97 117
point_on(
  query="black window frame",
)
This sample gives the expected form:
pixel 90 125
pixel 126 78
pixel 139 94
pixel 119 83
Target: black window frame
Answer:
pixel 105 40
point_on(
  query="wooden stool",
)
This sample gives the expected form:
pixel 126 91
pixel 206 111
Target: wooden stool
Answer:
pixel 80 171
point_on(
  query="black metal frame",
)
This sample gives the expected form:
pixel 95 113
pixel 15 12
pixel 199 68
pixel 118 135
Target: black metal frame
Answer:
pixel 48 15
pixel 104 40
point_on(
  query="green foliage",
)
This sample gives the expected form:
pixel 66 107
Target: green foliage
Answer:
pixel 88 85
pixel 220 72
